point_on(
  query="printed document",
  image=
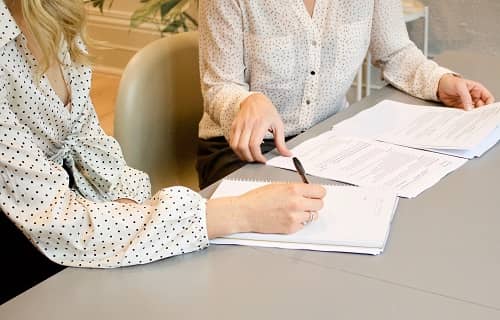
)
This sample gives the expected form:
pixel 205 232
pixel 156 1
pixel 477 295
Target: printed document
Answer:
pixel 367 163
pixel 452 131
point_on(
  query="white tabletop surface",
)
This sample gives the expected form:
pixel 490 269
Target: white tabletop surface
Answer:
pixel 442 260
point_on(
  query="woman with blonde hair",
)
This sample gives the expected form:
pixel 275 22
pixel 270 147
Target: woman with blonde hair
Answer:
pixel 65 183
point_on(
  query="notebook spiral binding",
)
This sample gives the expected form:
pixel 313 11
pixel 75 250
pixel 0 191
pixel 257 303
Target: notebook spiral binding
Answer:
pixel 329 184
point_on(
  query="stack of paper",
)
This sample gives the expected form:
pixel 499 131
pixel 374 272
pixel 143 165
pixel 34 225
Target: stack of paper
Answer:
pixel 368 163
pixel 400 147
pixel 456 132
pixel 352 220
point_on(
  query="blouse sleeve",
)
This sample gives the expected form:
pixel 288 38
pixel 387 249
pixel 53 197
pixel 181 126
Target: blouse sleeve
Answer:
pixel 73 231
pixel 404 65
pixel 128 182
pixel 222 67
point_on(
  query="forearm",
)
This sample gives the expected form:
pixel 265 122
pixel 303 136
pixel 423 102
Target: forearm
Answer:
pixel 222 102
pixel 131 185
pixel 80 233
pixel 404 65
pixel 222 68
pixel 410 71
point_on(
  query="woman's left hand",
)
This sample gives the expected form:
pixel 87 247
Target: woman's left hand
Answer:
pixel 457 92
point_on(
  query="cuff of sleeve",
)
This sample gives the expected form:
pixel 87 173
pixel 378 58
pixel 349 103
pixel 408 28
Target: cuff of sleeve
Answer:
pixel 197 214
pixel 436 76
pixel 184 210
pixel 203 223
pixel 229 114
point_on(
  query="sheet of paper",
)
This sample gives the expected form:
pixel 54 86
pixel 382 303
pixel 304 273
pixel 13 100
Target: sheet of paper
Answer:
pixel 476 152
pixel 297 246
pixel 367 163
pixel 352 220
pixel 445 130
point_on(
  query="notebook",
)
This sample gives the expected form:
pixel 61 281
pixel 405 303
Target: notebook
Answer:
pixel 353 219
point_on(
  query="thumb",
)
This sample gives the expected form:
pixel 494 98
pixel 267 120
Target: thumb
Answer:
pixel 465 97
pixel 279 140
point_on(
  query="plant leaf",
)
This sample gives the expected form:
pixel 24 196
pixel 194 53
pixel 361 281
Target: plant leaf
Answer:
pixel 167 6
pixel 169 15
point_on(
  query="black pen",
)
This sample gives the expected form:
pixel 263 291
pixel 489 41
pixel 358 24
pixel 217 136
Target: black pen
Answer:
pixel 300 170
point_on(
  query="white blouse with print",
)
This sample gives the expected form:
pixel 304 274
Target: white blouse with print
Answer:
pixel 59 174
pixel 304 64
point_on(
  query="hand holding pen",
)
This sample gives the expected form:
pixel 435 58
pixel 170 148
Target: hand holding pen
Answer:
pixel 313 215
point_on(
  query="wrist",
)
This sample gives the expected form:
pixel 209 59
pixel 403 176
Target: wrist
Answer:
pixel 227 216
pixel 248 100
pixel 243 215
pixel 444 78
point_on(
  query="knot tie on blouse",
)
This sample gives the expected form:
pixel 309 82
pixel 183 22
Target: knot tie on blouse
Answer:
pixel 101 168
pixel 65 149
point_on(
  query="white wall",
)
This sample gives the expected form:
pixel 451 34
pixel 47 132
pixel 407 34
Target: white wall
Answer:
pixel 112 27
pixel 118 42
pixel 467 25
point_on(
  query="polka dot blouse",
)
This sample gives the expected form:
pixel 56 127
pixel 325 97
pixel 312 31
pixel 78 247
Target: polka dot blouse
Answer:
pixel 59 174
pixel 304 64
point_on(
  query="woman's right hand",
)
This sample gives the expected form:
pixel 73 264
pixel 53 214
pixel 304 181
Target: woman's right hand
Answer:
pixel 256 117
pixel 274 208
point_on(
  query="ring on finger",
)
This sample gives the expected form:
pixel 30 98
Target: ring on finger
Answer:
pixel 312 217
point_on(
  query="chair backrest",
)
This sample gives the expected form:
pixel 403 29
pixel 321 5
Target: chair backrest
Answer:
pixel 158 108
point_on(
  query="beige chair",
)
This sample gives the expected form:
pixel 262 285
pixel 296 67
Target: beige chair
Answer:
pixel 158 108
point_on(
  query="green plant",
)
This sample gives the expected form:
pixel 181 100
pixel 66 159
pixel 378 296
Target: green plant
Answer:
pixel 170 16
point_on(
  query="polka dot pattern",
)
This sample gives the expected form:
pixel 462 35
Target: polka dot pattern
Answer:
pixel 60 173
pixel 304 64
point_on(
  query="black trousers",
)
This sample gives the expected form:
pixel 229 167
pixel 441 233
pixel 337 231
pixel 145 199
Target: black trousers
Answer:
pixel 216 159
pixel 22 265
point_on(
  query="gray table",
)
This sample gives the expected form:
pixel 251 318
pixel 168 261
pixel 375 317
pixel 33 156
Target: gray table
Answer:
pixel 442 260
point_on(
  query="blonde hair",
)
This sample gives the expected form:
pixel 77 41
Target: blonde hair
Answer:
pixel 52 21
